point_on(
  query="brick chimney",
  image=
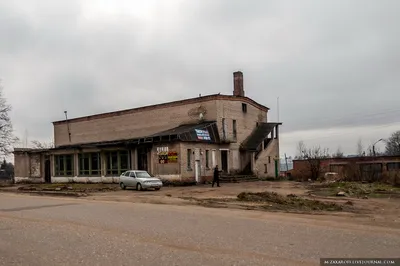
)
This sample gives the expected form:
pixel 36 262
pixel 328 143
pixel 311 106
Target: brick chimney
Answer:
pixel 238 84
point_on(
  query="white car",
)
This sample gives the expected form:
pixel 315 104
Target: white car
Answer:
pixel 140 180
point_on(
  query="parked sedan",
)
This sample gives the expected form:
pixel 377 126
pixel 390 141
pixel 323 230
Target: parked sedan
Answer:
pixel 140 180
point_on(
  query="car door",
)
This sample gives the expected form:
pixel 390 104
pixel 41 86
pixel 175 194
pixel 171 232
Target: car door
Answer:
pixel 132 177
pixel 126 179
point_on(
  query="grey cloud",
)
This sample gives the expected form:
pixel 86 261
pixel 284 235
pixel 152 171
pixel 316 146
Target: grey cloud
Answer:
pixel 332 63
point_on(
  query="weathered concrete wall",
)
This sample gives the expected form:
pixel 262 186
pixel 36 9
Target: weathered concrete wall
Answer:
pixel 28 167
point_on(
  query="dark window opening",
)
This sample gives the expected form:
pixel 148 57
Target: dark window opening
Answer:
pixel 395 166
pixel 189 159
pixel 269 159
pixel 234 131
pixel 244 108
pixel 64 165
pixel 89 164
pixel 207 159
pixel 265 168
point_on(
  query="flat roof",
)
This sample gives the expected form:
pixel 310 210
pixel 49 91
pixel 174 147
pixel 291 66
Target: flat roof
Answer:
pixel 168 104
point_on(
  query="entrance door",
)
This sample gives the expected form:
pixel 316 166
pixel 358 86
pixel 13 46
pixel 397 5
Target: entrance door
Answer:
pixel 142 159
pixel 224 161
pixel 47 173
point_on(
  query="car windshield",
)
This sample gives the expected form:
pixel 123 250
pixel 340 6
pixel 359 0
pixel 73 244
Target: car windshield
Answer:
pixel 142 175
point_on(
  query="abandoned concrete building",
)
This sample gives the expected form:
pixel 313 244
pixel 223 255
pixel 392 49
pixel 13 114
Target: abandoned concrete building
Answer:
pixel 181 140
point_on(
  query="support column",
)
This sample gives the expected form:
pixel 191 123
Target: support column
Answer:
pixel 103 164
pixel 76 164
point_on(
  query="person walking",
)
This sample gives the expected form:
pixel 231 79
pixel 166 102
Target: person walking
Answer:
pixel 216 176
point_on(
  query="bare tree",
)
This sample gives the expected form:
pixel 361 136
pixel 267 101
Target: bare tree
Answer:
pixel 7 138
pixel 301 149
pixel 360 148
pixel 313 156
pixel 393 144
pixel 339 153
pixel 42 145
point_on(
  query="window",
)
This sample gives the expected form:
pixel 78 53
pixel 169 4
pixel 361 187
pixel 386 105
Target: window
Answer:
pixel 142 174
pixel 189 159
pixel 132 174
pixel 64 165
pixel 207 159
pixel 127 173
pixel 244 108
pixel 89 164
pixel 223 128
pixel 265 168
pixel 393 166
pixel 234 131
pixel 269 159
pixel 117 162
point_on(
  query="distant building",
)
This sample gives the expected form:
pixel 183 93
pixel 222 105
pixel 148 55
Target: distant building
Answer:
pixel 181 140
pixel 357 168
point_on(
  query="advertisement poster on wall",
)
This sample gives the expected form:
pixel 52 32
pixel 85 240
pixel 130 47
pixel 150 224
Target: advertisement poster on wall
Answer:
pixel 203 134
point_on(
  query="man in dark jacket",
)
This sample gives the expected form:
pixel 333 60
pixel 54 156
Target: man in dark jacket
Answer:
pixel 216 176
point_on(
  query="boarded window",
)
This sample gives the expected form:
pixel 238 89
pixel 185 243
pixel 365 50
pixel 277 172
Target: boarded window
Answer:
pixel 64 165
pixel 89 164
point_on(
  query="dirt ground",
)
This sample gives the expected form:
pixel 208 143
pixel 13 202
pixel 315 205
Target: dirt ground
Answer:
pixel 372 211
pixel 354 208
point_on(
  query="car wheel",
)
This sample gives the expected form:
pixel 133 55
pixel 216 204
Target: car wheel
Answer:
pixel 122 185
pixel 139 187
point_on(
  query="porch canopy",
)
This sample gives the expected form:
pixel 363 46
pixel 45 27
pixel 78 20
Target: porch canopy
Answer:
pixel 259 134
pixel 206 132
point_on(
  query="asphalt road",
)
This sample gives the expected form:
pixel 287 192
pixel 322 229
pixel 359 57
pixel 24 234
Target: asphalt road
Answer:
pixel 56 231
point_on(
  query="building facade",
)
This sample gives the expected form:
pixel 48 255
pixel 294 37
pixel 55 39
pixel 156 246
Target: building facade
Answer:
pixel 182 140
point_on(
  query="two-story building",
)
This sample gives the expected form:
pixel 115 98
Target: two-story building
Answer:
pixel 179 140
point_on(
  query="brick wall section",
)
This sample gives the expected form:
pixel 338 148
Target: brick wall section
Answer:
pixel 131 125
pixel 206 173
pixel 267 157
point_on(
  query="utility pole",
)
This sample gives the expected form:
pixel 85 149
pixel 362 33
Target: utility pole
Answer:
pixel 277 103
pixel 66 119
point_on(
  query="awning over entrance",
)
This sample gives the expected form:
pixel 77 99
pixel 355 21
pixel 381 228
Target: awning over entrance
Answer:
pixel 259 134
pixel 200 132
pixel 206 132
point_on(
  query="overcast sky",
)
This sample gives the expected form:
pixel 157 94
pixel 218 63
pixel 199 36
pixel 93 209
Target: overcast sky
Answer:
pixel 335 65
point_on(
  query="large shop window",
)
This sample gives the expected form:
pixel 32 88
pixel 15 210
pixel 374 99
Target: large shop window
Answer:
pixel 64 165
pixel 117 162
pixel 89 164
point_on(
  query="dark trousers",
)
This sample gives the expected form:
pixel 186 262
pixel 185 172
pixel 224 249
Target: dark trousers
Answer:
pixel 215 180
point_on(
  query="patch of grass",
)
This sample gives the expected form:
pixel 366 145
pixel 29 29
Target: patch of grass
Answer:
pixel 290 202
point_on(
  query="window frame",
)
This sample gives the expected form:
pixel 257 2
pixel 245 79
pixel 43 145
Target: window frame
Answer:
pixel 58 158
pixel 115 168
pixel 89 171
